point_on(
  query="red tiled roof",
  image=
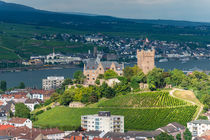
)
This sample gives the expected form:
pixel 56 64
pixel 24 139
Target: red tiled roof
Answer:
pixel 44 92
pixel 77 138
pixel 17 120
pixel 101 139
pixel 16 95
pixel 1 103
pixel 4 127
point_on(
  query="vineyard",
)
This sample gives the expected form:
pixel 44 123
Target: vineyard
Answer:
pixel 144 111
pixel 149 99
pixel 135 119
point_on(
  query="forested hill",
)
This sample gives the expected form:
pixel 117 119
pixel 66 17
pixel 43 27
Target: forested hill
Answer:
pixel 15 13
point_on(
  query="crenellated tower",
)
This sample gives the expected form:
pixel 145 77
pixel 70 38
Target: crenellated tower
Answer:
pixel 146 60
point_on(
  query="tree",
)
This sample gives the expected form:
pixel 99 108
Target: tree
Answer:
pixel 136 70
pixel 122 88
pixel 22 111
pixel 97 82
pixel 93 98
pixel 187 134
pixel 100 76
pixel 79 77
pixel 109 74
pixel 55 97
pixel 178 137
pixel 164 136
pixel 138 78
pixel 3 85
pixel 128 73
pixel 37 106
pixel 206 99
pixel 85 98
pixel 21 85
pixel 66 82
pixel 155 79
pixel 176 77
pixel 66 98
pixel 106 91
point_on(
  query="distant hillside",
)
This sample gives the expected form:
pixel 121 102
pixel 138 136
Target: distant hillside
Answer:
pixel 15 13
pixel 171 22
pixel 14 7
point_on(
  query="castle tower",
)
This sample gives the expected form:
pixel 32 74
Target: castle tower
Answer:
pixel 146 60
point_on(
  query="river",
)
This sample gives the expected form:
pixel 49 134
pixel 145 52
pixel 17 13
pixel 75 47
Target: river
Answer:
pixel 34 78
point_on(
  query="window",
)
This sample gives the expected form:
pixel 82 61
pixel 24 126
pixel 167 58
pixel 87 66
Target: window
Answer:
pixel 96 127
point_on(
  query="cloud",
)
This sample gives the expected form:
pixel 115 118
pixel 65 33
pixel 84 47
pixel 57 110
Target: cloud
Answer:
pixel 152 1
pixel 195 10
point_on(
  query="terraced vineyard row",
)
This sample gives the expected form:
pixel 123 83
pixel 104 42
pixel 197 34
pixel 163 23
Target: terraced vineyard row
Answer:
pixel 149 99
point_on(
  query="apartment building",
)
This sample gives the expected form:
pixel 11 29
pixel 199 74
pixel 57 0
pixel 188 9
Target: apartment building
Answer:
pixel 52 82
pixel 198 127
pixel 103 121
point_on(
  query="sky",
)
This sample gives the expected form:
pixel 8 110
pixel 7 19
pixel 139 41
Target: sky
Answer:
pixel 190 10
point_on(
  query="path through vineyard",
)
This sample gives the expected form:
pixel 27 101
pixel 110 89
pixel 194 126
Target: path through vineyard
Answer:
pixel 195 101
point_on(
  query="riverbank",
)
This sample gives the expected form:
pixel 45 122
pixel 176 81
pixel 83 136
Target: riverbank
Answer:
pixel 39 67
pixel 33 78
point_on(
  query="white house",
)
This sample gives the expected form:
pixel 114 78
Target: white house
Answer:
pixel 103 121
pixel 198 127
pixel 30 103
pixel 20 122
pixel 37 95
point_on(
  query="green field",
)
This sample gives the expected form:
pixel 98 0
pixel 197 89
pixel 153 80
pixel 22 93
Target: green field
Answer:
pixel 145 111
pixel 19 38
pixel 135 119
pixel 16 41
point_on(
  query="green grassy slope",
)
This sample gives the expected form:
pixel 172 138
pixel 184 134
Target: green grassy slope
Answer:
pixel 135 119
pixel 146 111
pixel 17 39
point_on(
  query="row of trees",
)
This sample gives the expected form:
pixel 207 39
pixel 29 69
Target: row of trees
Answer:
pixel 199 82
pixel 132 76
pixel 91 94
pixel 3 86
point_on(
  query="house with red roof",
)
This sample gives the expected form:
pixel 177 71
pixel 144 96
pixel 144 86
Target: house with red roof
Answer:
pixel 40 94
pixel 20 122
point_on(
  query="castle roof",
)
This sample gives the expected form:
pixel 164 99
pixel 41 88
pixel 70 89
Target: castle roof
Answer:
pixel 93 65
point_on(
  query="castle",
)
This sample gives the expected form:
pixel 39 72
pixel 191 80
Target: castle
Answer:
pixel 146 59
pixel 93 68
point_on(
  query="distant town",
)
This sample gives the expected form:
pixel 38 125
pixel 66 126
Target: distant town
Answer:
pixel 114 49
pixel 97 89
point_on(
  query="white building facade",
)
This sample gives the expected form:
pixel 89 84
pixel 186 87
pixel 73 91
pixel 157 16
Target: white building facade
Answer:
pixel 198 127
pixel 103 121
pixel 60 59
pixel 20 122
pixel 52 82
